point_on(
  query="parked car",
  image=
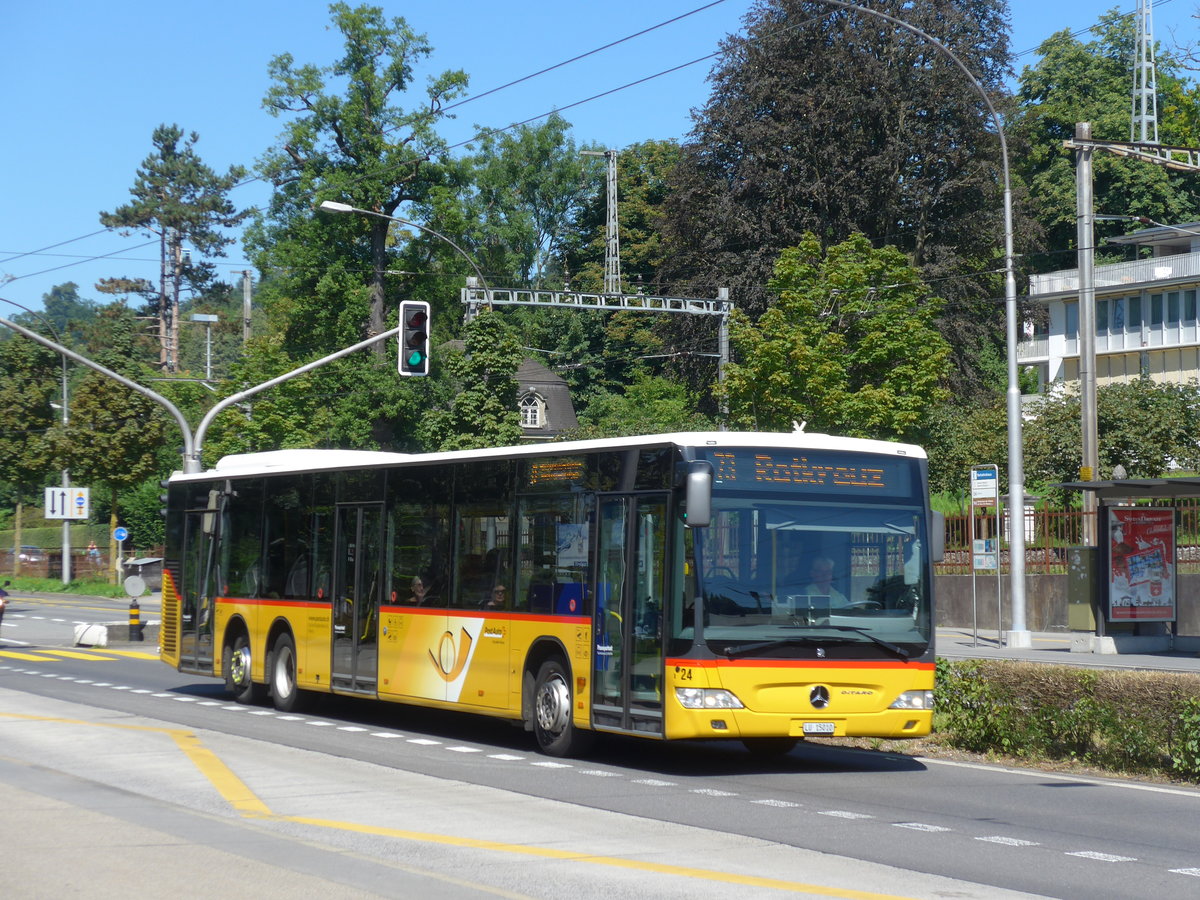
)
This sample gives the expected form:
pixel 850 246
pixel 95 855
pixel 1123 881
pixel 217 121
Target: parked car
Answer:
pixel 31 554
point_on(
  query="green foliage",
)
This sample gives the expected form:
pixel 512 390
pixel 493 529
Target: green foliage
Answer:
pixel 849 347
pixel 114 433
pixel 354 145
pixel 1142 425
pixel 179 198
pixel 958 438
pixel 478 392
pixel 1135 722
pixel 528 186
pixel 834 122
pixel 141 513
pixel 1186 759
pixel 30 379
pixel 650 405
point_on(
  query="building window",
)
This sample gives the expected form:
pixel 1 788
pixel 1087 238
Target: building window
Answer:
pixel 532 411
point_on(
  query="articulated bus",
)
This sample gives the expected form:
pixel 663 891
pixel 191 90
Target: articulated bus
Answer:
pixel 764 588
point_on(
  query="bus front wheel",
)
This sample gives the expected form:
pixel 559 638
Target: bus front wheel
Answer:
pixel 235 666
pixel 284 692
pixel 552 713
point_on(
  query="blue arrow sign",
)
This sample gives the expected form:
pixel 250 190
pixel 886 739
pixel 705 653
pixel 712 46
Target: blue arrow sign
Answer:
pixel 120 534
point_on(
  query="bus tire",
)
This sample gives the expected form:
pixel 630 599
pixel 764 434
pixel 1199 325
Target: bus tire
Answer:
pixel 770 746
pixel 284 693
pixel 236 661
pixel 553 723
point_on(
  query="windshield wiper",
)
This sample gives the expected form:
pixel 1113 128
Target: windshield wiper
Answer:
pixel 745 649
pixel 894 649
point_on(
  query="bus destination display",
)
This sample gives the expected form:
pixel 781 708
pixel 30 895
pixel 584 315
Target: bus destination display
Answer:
pixel 819 471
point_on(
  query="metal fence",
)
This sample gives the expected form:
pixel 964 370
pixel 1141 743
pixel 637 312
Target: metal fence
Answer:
pixel 1048 534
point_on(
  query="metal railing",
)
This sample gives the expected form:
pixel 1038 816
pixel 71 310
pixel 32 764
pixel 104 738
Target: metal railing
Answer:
pixel 1049 533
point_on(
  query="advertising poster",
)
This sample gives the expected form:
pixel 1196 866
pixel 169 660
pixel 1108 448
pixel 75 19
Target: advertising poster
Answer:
pixel 1141 581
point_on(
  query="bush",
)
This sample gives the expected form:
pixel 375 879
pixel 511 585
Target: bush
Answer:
pixel 1133 722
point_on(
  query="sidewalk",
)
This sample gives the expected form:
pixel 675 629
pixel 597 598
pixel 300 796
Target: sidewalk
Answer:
pixel 1055 648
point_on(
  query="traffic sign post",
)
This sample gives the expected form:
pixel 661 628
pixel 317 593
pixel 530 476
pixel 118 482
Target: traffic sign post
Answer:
pixel 120 535
pixel 985 552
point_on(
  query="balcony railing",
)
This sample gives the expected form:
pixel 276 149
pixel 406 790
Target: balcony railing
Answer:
pixel 1136 272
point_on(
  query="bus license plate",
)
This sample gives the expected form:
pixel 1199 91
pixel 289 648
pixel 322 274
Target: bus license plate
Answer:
pixel 819 728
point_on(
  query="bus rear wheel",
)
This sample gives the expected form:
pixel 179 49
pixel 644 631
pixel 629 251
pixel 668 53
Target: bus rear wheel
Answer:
pixel 236 662
pixel 552 713
pixel 284 693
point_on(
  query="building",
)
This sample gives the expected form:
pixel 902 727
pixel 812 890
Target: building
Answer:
pixel 545 402
pixel 1145 315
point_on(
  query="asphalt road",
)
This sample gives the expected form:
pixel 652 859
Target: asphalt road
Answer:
pixel 451 805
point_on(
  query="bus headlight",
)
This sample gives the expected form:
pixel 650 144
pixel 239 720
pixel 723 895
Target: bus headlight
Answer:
pixel 706 698
pixel 914 700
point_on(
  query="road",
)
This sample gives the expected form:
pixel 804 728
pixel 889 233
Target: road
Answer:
pixel 362 797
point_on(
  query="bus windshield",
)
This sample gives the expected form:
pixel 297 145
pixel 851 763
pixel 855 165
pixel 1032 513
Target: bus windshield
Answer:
pixel 804 579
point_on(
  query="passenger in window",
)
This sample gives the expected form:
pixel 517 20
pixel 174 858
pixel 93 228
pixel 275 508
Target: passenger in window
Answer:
pixel 497 599
pixel 420 592
pixel 820 574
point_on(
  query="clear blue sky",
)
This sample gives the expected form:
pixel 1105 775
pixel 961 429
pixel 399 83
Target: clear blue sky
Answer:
pixel 86 83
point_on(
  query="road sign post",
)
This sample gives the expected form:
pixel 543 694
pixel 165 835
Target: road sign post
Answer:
pixel 985 552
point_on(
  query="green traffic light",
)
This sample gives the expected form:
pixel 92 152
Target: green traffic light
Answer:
pixel 414 358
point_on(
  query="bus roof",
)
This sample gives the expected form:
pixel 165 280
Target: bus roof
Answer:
pixel 299 460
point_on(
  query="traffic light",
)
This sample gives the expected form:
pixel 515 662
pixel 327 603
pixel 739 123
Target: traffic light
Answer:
pixel 414 338
pixel 163 497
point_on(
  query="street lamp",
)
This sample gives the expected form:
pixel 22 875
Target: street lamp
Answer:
pixel 1020 635
pixel 66 476
pixel 208 319
pixel 334 206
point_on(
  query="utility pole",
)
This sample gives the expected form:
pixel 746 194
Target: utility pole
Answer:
pixel 246 286
pixel 612 238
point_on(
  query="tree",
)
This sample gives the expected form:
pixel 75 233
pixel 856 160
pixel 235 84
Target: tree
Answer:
pixel 849 347
pixel 1145 427
pixel 359 148
pixel 114 434
pixel 183 201
pixel 29 379
pixel 835 122
pixel 479 391
pixel 1076 82
pixel 529 186
pixel 649 405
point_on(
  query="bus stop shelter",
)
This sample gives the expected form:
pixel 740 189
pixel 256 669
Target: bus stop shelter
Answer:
pixel 1129 588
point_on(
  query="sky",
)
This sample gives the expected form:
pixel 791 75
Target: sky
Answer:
pixel 85 84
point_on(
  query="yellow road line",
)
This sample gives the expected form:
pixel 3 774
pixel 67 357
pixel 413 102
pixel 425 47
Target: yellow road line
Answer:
pixel 76 654
pixel 132 654
pixel 241 798
pixel 17 654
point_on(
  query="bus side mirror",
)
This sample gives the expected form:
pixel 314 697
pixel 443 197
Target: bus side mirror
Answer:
pixel 699 494
pixel 937 537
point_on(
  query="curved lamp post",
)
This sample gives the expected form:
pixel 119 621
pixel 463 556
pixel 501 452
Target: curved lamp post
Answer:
pixel 334 206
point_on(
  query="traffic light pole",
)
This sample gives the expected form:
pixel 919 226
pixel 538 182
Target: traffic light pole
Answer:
pixel 193 444
pixel 202 428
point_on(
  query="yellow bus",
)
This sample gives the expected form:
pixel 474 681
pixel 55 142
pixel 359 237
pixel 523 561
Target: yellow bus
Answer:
pixel 757 587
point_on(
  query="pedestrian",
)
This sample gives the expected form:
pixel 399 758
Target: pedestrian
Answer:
pixel 93 552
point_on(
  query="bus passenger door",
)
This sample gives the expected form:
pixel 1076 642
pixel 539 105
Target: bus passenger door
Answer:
pixel 357 583
pixel 197 593
pixel 627 680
